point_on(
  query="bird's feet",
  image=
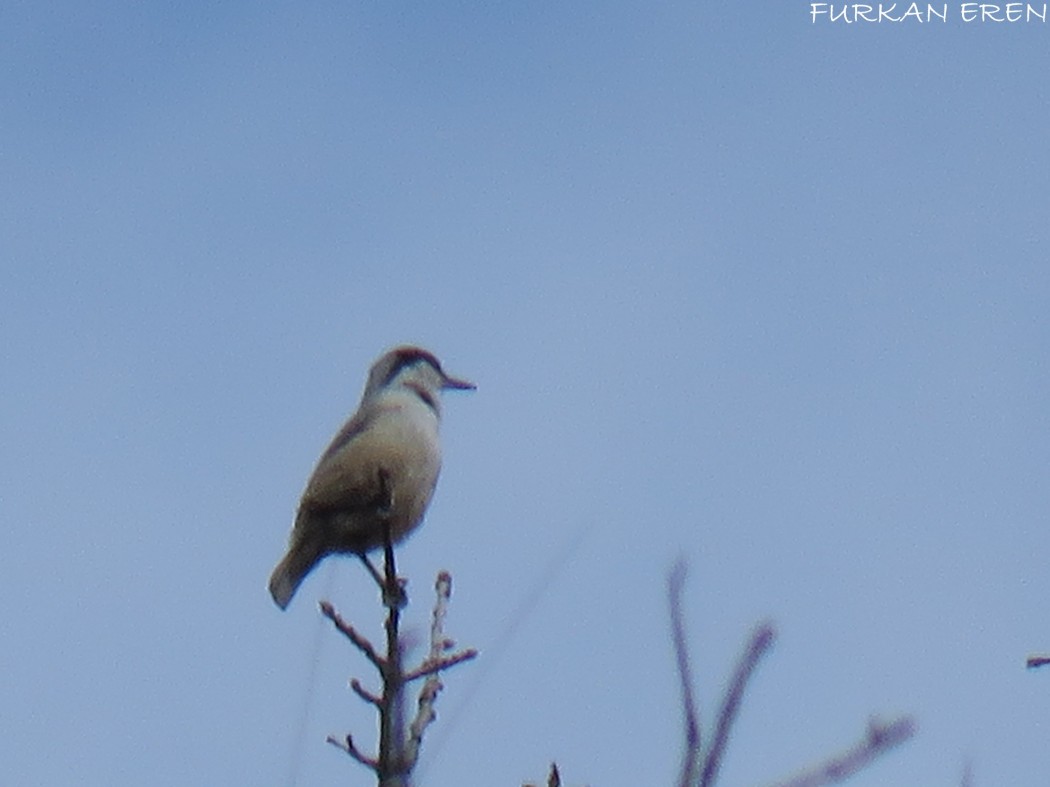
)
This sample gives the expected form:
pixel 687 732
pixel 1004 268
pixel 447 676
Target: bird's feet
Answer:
pixel 392 587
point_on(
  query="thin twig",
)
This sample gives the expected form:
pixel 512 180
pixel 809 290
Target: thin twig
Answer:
pixel 443 591
pixel 878 740
pixel 350 632
pixel 349 747
pixel 365 694
pixel 761 641
pixel 373 572
pixel 429 667
pixel 675 581
pixel 1037 661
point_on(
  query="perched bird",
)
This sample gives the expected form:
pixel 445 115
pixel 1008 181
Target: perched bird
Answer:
pixel 379 472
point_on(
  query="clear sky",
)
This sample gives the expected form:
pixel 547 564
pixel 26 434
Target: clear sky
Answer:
pixel 766 293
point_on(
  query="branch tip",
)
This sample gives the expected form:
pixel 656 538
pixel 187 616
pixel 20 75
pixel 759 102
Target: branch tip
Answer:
pixel 878 739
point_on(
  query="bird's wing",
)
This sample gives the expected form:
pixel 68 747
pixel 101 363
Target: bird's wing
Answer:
pixel 348 477
pixel 351 429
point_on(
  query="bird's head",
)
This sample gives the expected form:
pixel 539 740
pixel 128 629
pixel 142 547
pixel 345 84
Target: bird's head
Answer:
pixel 415 369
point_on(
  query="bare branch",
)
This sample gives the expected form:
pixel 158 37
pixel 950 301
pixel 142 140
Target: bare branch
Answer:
pixel 365 694
pixel 433 664
pixel 761 641
pixel 675 581
pixel 350 633
pixel 424 716
pixel 443 590
pixel 376 576
pixel 1037 661
pixel 429 667
pixel 399 743
pixel 394 596
pixel 349 747
pixel 878 740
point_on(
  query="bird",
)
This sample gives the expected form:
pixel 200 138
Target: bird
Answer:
pixel 377 476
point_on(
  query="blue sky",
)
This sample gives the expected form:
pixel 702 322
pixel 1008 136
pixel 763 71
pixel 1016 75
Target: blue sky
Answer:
pixel 768 294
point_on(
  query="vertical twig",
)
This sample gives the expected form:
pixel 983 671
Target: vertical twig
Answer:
pixel 392 770
pixel 425 713
pixel 675 581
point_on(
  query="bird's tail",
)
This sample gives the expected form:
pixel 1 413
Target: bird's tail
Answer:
pixel 292 570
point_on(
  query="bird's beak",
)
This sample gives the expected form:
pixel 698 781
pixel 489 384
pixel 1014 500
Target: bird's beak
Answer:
pixel 455 382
